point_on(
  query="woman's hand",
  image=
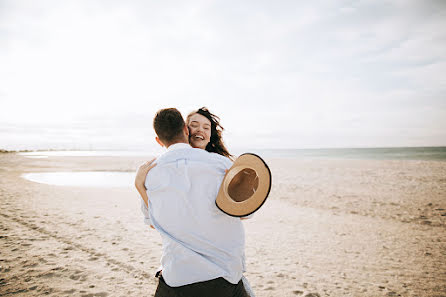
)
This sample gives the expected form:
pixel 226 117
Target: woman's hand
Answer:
pixel 142 173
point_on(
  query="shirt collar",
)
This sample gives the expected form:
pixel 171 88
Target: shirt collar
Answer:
pixel 177 146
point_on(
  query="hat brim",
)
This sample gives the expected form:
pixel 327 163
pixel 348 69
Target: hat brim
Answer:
pixel 244 208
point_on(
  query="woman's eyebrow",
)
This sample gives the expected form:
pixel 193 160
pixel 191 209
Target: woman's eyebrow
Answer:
pixel 197 122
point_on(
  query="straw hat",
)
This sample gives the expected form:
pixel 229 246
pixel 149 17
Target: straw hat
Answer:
pixel 245 186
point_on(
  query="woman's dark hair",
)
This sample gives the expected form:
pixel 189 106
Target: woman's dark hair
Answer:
pixel 215 144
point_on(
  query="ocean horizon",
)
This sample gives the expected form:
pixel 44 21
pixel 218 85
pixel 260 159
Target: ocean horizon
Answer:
pixel 382 153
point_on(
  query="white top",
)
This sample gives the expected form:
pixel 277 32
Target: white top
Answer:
pixel 200 242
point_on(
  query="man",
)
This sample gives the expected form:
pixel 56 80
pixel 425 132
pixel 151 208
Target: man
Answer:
pixel 203 248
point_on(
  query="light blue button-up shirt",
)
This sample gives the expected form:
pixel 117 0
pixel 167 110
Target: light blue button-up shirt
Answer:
pixel 200 242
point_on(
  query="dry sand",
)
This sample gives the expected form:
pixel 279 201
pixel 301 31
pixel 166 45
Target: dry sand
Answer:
pixel 329 228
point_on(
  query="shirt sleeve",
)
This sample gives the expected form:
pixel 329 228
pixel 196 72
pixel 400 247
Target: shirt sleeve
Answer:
pixel 145 212
pixel 227 163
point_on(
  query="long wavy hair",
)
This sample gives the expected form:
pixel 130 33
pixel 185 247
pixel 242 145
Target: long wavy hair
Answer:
pixel 215 144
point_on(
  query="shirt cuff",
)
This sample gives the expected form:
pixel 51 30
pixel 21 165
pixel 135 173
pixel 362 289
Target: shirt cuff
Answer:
pixel 145 212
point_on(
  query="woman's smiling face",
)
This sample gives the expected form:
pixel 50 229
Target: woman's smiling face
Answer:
pixel 199 131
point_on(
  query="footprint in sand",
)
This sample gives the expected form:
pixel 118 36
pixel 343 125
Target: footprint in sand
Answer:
pixel 48 275
pixel 100 294
pixel 75 276
pixel 29 264
pixel 78 275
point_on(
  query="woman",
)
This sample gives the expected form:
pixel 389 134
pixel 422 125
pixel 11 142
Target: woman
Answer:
pixel 205 132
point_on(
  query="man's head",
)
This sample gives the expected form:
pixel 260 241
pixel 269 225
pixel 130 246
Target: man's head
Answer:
pixel 170 127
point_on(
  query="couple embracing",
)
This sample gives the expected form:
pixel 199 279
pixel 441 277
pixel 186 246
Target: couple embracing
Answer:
pixel 203 248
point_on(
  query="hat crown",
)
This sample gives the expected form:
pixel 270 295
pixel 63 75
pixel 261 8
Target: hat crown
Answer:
pixel 243 185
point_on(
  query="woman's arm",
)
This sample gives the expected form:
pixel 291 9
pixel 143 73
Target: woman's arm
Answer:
pixel 141 178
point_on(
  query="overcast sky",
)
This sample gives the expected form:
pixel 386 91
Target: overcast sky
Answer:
pixel 280 74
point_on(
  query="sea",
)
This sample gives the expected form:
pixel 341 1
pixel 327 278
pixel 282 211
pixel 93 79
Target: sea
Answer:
pixel 397 153
pixel 394 153
pixel 125 179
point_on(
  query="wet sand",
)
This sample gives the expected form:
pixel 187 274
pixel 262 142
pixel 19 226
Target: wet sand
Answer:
pixel 329 228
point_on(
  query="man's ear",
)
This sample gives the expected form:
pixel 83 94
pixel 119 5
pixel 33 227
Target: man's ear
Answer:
pixel 186 131
pixel 159 141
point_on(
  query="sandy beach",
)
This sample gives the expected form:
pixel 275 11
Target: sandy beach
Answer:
pixel 329 228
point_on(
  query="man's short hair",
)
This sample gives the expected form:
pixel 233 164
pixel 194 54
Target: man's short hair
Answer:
pixel 168 124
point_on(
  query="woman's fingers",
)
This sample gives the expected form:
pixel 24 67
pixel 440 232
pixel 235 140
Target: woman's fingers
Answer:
pixel 151 166
pixel 142 171
pixel 146 166
pixel 150 161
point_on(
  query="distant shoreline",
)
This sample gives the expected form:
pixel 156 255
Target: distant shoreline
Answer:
pixel 236 149
pixel 382 153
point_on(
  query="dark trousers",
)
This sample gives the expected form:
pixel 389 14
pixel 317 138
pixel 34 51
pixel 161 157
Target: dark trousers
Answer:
pixel 218 287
